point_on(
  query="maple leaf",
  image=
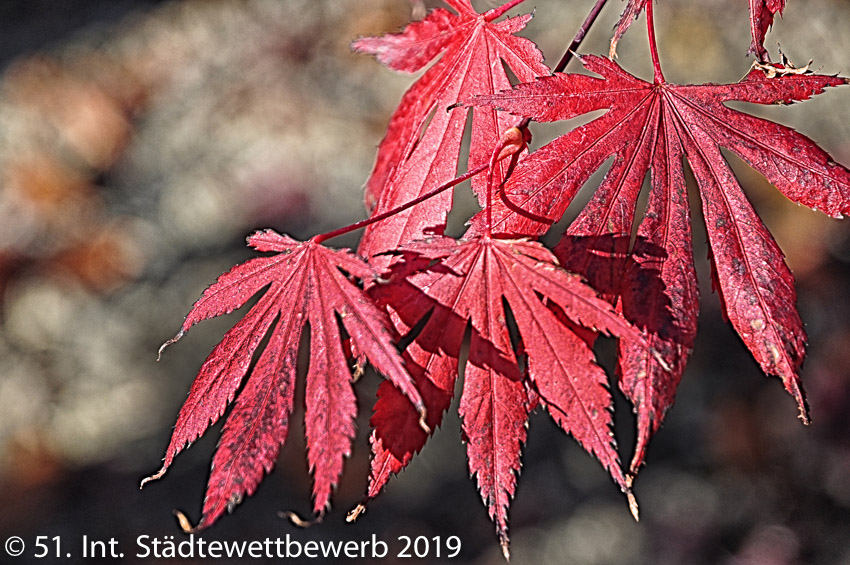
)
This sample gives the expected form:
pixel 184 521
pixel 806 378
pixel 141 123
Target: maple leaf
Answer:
pixel 472 281
pixel 651 127
pixel 422 145
pixel 306 285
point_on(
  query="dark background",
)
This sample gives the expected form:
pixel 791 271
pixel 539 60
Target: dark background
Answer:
pixel 140 141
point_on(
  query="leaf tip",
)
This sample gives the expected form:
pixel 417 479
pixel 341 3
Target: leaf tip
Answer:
pixel 184 522
pixel 174 339
pixel 506 546
pixel 799 395
pixel 423 413
pixel 359 369
pixel 154 477
pixel 630 497
pixel 804 413
pixel 298 520
pixel 355 513
pixel 633 506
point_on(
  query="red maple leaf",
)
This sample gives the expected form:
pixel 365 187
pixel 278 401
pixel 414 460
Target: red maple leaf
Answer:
pixel 472 282
pixel 651 127
pixel 305 285
pixel 422 145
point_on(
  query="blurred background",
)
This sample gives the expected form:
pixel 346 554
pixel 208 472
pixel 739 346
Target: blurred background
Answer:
pixel 142 140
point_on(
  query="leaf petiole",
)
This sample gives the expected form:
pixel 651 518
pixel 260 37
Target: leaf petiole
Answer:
pixel 653 47
pixel 398 209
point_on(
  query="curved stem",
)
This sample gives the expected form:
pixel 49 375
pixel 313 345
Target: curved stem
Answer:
pixel 488 201
pixel 399 209
pixel 513 141
pixel 653 48
pixel 503 196
pixel 579 37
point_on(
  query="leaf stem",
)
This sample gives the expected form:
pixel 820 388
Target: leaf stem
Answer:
pixel 398 209
pixel 513 141
pixel 488 201
pixel 579 37
pixel 503 196
pixel 653 48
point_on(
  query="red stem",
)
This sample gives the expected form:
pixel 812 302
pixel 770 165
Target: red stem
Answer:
pixel 582 31
pixel 653 48
pixel 513 141
pixel 488 202
pixel 503 196
pixel 384 215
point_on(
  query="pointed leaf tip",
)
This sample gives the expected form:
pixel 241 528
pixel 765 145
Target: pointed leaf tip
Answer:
pixel 630 497
pixel 154 477
pixel 423 413
pixel 298 520
pixel 803 405
pixel 184 522
pixel 633 505
pixel 506 546
pixel 355 513
pixel 174 339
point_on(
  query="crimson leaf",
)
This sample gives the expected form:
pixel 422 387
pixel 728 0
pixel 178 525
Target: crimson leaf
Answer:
pixel 421 148
pixel 305 285
pixel 650 127
pixel 473 281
